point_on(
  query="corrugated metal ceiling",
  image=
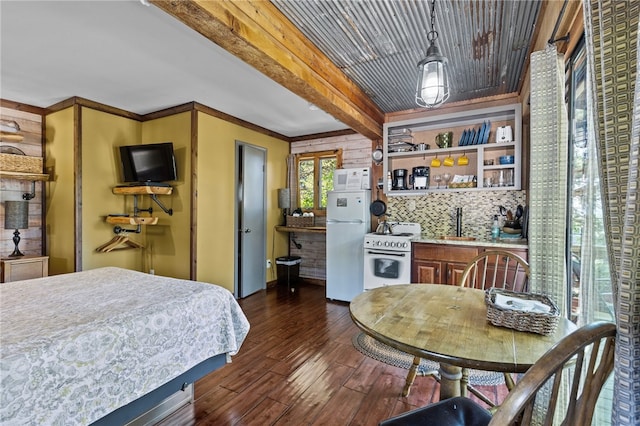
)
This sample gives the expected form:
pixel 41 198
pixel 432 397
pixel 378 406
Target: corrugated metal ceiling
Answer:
pixel 379 43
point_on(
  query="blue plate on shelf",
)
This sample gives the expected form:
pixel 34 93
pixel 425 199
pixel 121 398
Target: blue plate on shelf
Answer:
pixel 472 137
pixel 481 133
pixel 487 130
pixel 464 135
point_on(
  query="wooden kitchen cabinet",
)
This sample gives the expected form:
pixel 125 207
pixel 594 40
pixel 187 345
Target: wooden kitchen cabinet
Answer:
pixel 426 271
pixel 445 263
pixel 24 268
pixel 440 263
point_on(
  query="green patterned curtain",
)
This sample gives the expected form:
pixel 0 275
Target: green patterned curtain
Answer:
pixel 612 45
pixel 548 176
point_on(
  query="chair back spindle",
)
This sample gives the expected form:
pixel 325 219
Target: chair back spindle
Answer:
pixel 496 268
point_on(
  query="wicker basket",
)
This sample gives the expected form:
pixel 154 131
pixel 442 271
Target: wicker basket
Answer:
pixel 299 221
pixel 535 322
pixel 20 163
pixel 463 185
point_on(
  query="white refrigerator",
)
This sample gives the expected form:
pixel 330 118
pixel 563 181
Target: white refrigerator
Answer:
pixel 348 220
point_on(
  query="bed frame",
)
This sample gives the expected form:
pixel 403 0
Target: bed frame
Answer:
pixel 163 401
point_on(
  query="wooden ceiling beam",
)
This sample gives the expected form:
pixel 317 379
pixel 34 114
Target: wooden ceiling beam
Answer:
pixel 259 34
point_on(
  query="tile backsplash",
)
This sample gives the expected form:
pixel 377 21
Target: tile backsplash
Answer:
pixel 436 212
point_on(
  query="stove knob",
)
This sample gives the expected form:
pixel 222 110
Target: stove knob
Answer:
pixel 405 245
pixel 386 243
pixel 378 243
pixel 392 244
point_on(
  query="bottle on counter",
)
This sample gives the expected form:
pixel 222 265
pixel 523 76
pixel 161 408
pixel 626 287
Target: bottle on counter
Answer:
pixel 495 228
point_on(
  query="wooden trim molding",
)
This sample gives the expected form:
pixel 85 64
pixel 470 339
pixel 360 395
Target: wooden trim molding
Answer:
pixel 193 257
pixel 189 106
pixel 77 149
pixel 323 135
pixel 489 101
pixel 76 100
pixel 5 103
pixel 235 120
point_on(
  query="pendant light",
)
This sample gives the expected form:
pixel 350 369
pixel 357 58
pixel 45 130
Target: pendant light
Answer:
pixel 433 74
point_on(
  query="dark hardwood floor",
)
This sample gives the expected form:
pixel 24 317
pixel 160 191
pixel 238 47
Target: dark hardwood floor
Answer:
pixel 299 367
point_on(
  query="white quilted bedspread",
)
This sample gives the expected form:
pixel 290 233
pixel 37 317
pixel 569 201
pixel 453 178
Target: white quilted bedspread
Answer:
pixel 75 347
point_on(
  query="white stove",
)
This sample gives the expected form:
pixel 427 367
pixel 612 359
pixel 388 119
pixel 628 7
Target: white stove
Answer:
pixel 399 240
pixel 387 257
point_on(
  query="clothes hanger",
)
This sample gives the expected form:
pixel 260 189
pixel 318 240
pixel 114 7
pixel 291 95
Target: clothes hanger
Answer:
pixel 119 240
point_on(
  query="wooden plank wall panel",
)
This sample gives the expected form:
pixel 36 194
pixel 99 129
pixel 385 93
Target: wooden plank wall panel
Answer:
pixel 12 189
pixel 356 152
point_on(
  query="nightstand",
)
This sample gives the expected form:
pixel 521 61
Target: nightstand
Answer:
pixel 23 268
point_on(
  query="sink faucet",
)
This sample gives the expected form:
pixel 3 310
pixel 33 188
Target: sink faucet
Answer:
pixel 458 221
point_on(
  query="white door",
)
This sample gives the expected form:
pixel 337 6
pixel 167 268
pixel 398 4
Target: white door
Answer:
pixel 251 220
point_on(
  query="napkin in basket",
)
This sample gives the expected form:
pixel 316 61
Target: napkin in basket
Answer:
pixel 524 305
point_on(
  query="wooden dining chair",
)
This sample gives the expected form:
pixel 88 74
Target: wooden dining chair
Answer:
pixel 582 361
pixel 494 268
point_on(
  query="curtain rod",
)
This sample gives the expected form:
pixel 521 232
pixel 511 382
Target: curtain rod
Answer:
pixel 552 40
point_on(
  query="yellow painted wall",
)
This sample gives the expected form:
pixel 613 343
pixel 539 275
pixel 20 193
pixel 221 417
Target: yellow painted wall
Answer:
pixel 60 203
pixel 216 197
pixel 102 134
pixel 169 242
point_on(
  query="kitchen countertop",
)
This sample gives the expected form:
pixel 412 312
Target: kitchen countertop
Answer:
pixel 499 243
pixel 305 229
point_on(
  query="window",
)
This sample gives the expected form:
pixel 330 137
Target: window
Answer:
pixel 587 261
pixel 315 178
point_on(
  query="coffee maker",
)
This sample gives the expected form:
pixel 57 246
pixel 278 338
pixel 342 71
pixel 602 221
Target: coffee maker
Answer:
pixel 400 179
pixel 420 177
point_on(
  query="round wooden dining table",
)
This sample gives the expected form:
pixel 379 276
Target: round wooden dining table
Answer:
pixel 448 324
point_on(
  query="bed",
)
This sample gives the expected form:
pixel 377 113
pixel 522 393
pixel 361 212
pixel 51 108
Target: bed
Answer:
pixel 107 344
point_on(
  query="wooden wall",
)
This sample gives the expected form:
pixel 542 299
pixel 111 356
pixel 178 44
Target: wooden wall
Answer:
pixel 30 121
pixel 356 152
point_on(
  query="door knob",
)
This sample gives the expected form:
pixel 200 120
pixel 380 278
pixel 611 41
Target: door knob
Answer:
pixel 247 230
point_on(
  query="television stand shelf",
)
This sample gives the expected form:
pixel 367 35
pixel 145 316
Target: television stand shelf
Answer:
pixel 143 190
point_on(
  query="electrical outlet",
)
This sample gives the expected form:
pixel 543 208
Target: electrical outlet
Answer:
pixel 268 263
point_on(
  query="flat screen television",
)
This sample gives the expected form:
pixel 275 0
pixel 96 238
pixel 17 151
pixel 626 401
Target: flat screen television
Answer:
pixel 151 163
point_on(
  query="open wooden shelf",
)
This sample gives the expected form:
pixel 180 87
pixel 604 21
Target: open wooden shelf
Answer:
pixel 302 229
pixel 24 176
pixel 132 220
pixel 142 190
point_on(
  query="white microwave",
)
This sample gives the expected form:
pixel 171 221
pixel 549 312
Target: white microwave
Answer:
pixel 345 179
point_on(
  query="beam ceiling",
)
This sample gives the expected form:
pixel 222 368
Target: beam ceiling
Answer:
pixel 258 33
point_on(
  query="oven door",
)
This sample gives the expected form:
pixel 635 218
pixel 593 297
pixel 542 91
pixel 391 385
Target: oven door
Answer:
pixel 382 268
